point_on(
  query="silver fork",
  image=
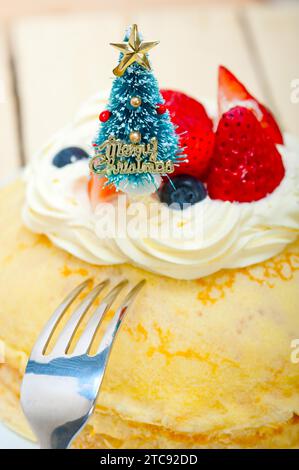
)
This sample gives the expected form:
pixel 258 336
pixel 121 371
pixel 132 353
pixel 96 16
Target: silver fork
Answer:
pixel 60 389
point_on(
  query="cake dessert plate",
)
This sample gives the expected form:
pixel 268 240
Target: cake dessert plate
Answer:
pixel 214 367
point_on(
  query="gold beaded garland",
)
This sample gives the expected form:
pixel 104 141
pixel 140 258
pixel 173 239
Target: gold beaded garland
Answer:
pixel 135 137
pixel 135 101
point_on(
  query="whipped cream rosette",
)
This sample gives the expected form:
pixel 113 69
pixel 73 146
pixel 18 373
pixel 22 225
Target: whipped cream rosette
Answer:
pixel 228 234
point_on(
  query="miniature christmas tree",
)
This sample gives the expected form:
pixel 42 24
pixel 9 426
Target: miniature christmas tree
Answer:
pixel 136 142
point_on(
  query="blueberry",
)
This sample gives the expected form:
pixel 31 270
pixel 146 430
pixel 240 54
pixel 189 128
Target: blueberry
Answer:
pixel 69 155
pixel 182 189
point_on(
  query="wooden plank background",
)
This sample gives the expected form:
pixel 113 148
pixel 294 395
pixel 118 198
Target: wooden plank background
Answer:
pixel 17 8
pixel 275 32
pixel 61 60
pixel 10 156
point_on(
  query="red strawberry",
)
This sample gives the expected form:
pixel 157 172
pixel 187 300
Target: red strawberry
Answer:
pixel 233 93
pixel 195 129
pixel 98 191
pixel 246 165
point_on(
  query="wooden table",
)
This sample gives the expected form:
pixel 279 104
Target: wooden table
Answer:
pixel 49 65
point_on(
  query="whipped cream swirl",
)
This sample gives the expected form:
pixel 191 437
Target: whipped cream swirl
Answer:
pixel 231 235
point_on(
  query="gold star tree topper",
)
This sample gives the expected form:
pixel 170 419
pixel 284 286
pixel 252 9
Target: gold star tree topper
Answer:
pixel 133 50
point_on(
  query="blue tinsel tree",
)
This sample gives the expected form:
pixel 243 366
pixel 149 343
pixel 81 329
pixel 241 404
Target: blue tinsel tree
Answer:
pixel 124 119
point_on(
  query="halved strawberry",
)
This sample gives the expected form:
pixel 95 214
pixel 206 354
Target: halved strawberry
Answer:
pixel 246 165
pixel 231 93
pixel 98 191
pixel 195 130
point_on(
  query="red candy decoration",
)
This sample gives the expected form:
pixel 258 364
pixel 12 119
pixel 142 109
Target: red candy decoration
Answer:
pixel 195 130
pixel 161 108
pixel 246 165
pixel 105 115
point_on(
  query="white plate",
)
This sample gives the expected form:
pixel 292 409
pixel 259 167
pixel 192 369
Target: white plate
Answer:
pixel 11 440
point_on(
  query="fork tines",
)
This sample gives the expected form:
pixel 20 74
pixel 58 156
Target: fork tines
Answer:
pixel 85 341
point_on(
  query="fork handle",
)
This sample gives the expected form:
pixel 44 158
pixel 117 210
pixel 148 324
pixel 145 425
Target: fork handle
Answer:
pixel 58 439
pixel 62 436
pixel 45 443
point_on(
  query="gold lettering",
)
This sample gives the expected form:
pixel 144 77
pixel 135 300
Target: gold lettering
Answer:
pixel 105 161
